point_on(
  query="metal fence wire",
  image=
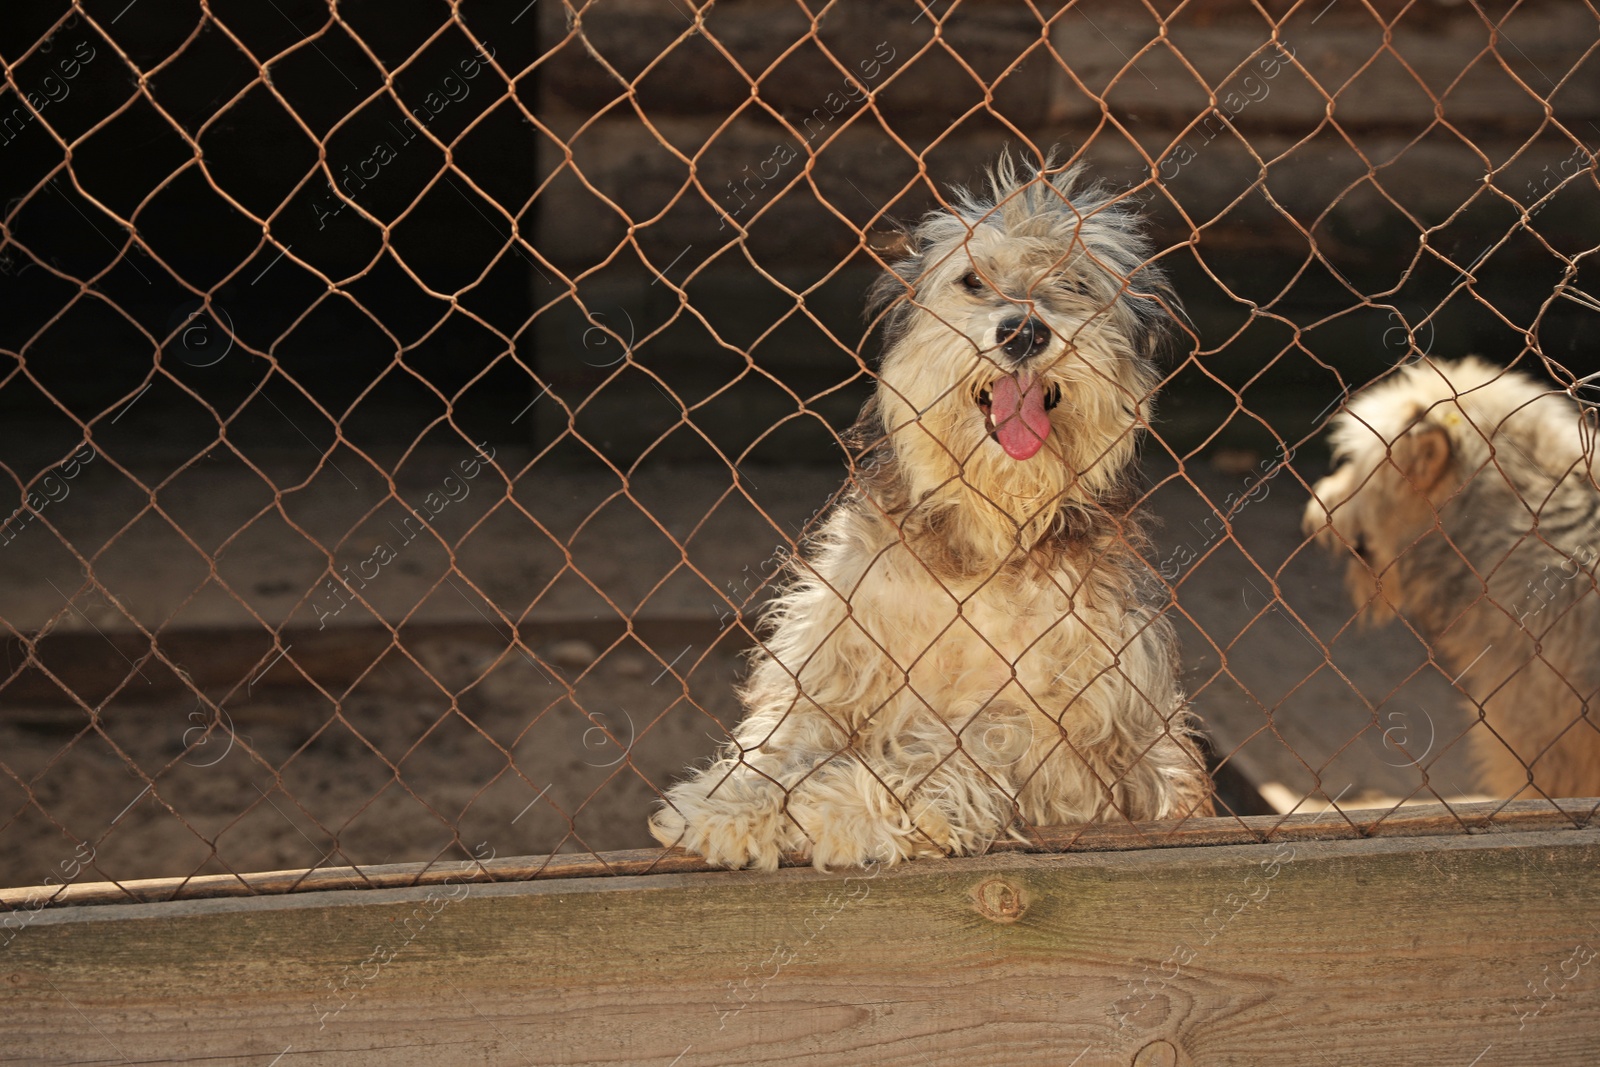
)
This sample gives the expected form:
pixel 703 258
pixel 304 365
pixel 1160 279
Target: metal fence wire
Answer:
pixel 410 409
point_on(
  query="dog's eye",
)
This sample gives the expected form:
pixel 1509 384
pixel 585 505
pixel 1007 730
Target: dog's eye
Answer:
pixel 972 281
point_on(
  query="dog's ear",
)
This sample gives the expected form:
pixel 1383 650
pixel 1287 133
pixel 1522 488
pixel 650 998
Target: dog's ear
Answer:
pixel 893 244
pixel 900 249
pixel 1423 455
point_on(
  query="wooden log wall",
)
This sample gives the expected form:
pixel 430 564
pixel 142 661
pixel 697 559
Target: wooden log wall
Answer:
pixel 1353 156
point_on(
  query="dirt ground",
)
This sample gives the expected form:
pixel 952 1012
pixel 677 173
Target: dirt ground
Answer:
pixel 352 747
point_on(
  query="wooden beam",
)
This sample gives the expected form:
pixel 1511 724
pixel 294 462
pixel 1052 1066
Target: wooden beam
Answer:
pixel 1421 820
pixel 225 657
pixel 1458 950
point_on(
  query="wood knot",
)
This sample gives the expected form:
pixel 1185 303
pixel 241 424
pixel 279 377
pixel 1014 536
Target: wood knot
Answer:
pixel 1000 900
pixel 1157 1054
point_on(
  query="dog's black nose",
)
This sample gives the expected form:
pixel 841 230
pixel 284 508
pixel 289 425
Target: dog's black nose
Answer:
pixel 1023 337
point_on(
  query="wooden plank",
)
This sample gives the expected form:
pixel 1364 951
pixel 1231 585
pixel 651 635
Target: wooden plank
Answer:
pixel 1223 40
pixel 1378 952
pixel 1423 820
pixel 225 657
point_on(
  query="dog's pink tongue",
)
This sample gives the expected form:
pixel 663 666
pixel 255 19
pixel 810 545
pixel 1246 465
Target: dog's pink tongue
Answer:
pixel 1016 407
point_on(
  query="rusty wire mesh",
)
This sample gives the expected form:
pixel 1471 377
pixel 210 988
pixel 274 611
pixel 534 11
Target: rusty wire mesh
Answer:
pixel 406 408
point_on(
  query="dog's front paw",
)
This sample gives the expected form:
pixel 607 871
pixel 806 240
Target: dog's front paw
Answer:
pixel 739 825
pixel 861 843
pixel 843 831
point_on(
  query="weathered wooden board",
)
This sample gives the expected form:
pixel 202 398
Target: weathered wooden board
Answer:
pixel 1322 824
pixel 1465 950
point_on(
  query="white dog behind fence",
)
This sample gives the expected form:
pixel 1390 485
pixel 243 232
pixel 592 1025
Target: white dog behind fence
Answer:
pixel 964 644
pixel 1466 496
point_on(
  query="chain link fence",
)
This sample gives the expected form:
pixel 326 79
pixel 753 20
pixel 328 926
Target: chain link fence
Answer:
pixel 409 410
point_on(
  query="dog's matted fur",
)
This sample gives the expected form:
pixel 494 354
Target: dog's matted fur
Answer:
pixel 963 644
pixel 1466 495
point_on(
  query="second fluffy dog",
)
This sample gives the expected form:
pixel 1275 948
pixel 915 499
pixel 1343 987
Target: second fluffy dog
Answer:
pixel 963 644
pixel 1466 495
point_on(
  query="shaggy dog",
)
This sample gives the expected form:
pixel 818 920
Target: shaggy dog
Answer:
pixel 962 643
pixel 1467 495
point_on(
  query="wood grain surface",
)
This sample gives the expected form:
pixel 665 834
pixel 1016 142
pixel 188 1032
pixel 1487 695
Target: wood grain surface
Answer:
pixel 1470 949
pixel 1334 824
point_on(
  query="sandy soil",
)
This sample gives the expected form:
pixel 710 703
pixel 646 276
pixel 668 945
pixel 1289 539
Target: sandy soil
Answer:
pixel 450 741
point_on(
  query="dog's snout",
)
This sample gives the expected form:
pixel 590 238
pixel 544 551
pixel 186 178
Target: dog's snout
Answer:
pixel 1021 337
